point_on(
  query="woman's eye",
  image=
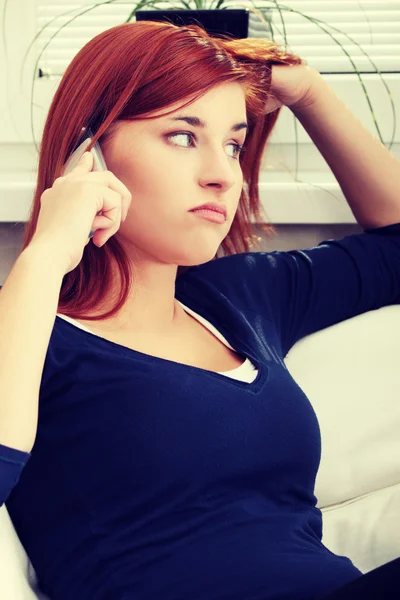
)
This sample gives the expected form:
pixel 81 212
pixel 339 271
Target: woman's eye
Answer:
pixel 177 135
pixel 238 147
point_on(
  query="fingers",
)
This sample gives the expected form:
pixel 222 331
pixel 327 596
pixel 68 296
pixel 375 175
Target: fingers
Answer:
pixel 84 165
pixel 106 177
pixel 110 180
pixel 113 201
pixel 108 223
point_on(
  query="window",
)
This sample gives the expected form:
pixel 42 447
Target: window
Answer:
pixel 372 24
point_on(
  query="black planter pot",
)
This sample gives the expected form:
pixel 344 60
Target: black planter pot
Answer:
pixel 231 22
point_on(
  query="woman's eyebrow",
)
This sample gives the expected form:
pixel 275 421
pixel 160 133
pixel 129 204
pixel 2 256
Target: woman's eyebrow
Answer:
pixel 196 122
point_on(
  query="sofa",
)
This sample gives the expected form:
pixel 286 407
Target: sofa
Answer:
pixel 351 375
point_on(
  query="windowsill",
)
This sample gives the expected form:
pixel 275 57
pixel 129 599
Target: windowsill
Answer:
pixel 284 200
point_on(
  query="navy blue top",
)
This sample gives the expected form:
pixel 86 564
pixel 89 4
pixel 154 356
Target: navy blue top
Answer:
pixel 154 480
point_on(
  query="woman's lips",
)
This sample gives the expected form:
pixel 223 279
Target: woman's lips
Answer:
pixel 210 215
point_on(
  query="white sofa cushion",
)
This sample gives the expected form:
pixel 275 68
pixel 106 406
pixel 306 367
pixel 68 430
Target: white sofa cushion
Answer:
pixel 17 577
pixel 351 374
pixel 366 529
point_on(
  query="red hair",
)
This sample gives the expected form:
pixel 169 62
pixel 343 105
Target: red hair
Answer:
pixel 132 70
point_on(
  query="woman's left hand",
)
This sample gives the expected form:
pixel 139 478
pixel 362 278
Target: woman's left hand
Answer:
pixel 292 86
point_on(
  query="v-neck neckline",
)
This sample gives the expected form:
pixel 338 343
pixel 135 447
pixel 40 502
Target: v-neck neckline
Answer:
pixel 252 386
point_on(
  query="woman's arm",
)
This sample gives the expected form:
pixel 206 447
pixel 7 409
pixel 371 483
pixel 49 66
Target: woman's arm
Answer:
pixel 28 306
pixel 368 174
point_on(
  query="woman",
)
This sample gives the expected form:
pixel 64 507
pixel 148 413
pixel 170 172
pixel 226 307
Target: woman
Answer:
pixel 162 448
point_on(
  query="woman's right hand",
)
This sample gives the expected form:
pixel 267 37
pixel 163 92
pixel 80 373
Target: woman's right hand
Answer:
pixel 68 211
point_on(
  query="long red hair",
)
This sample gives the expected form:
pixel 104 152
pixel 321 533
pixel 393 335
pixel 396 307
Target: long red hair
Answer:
pixel 127 72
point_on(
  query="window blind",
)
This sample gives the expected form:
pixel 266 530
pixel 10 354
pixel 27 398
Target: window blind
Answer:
pixel 372 24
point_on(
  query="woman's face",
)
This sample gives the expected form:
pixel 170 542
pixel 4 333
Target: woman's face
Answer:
pixel 171 167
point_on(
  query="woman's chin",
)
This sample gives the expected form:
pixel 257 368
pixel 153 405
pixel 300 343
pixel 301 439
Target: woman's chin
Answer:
pixel 199 258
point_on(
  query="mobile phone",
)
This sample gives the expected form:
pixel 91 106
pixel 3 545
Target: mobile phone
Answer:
pixel 99 164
